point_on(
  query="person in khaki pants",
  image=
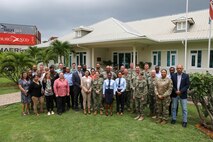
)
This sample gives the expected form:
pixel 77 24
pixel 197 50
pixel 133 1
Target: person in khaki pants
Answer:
pixel 35 90
pixel 86 85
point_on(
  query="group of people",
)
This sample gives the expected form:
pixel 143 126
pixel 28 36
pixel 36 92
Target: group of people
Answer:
pixel 95 90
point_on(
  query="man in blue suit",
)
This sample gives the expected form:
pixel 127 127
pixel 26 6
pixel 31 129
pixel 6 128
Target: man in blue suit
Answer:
pixel 76 79
pixel 180 86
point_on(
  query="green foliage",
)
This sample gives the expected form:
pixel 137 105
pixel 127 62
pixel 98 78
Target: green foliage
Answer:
pixel 34 52
pixel 46 55
pixel 202 93
pixel 12 64
pixel 61 49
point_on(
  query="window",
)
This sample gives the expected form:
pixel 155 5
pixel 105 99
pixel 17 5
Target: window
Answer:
pixel 123 58
pixel 196 58
pixel 181 26
pixel 171 58
pixel 70 60
pixel 211 59
pixel 156 58
pixel 78 33
pixel 81 58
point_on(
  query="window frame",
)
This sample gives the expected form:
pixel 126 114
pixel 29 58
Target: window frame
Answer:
pixel 195 53
pixel 155 53
pixel 175 53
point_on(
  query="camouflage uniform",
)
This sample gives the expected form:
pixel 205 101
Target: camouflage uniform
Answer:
pixel 152 96
pixel 133 77
pixel 100 70
pixel 147 76
pixel 163 88
pixel 140 95
pixel 97 85
pixel 128 91
pixel 104 75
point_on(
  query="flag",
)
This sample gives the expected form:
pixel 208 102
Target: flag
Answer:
pixel 211 9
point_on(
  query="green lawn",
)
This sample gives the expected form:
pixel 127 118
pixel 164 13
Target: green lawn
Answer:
pixel 76 127
pixel 7 86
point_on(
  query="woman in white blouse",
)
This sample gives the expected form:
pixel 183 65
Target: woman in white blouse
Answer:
pixel 109 90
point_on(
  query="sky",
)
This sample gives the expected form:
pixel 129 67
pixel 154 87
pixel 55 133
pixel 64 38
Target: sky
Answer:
pixel 59 17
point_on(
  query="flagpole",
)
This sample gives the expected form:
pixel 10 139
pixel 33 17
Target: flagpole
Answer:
pixel 185 63
pixel 209 45
pixel 210 29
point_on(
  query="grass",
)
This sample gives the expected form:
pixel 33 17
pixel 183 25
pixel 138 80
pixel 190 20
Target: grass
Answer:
pixel 7 86
pixel 76 127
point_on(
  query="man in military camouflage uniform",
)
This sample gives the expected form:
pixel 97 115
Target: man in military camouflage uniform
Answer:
pixel 134 76
pixel 99 69
pixel 131 71
pixel 140 96
pixel 97 87
pixel 151 94
pixel 128 90
pixel 108 70
pixel 163 89
pixel 146 74
pixel 146 71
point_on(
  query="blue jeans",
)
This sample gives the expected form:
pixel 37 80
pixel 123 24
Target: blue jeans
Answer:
pixel 183 103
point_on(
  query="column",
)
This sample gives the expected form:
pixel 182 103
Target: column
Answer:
pixel 93 57
pixel 134 55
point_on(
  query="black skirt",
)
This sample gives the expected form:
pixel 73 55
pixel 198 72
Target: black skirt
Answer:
pixel 109 96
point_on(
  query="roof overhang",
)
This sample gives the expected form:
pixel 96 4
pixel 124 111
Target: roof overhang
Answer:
pixel 83 28
pixel 118 43
pixel 183 19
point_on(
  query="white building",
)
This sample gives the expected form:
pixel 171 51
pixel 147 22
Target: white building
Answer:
pixel 158 40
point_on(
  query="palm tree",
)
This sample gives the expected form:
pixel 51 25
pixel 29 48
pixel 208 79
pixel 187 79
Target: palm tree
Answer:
pixel 46 55
pixel 13 64
pixel 34 52
pixel 61 48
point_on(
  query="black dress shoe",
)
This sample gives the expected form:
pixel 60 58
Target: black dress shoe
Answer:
pixel 173 121
pixel 184 124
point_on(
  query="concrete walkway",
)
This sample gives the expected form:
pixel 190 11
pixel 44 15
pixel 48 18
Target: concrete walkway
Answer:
pixel 10 98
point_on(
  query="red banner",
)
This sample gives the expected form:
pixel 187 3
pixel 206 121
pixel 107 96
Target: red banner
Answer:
pixel 17 39
pixel 211 9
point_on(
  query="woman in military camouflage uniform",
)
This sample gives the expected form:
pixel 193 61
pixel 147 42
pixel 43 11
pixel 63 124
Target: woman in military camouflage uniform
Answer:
pixel 97 86
pixel 140 96
pixel 163 89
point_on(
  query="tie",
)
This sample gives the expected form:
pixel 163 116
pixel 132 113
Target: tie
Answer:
pixel 119 82
pixel 109 85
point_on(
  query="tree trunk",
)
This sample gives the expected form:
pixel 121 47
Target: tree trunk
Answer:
pixel 60 59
